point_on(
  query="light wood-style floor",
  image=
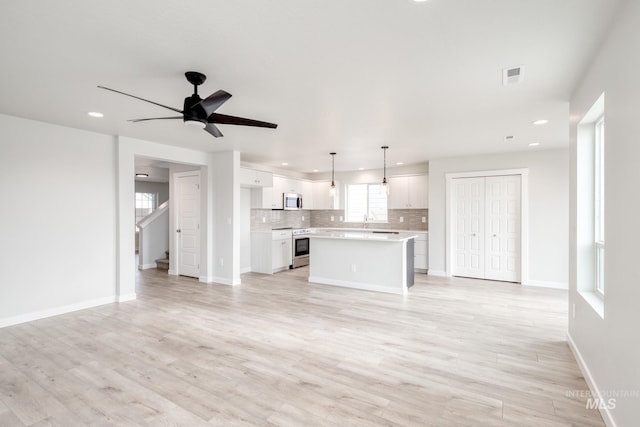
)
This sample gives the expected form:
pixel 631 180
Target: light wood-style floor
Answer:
pixel 279 351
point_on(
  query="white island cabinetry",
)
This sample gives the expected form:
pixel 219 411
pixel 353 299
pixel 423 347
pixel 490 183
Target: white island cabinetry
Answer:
pixel 367 260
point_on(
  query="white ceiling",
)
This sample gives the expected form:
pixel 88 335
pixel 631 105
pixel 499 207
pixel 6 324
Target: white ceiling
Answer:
pixel 336 75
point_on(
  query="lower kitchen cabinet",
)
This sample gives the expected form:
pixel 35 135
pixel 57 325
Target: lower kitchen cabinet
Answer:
pixel 271 251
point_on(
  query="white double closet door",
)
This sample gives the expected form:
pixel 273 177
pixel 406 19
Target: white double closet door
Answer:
pixel 486 227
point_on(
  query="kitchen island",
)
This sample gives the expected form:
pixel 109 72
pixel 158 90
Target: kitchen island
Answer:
pixel 371 260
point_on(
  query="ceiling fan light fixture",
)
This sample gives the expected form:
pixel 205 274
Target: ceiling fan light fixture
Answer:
pixel 195 123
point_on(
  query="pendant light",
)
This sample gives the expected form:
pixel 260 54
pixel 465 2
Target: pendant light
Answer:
pixel 385 187
pixel 332 187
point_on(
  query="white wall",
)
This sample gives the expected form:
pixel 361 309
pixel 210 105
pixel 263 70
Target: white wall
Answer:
pixel 224 220
pixel 245 230
pixel 57 189
pixel 548 208
pixel 154 240
pixel 609 348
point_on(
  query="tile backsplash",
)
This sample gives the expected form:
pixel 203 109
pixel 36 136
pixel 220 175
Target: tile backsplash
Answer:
pixel 411 220
pixel 267 219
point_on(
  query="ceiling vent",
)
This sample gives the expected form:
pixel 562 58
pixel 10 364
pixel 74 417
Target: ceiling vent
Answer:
pixel 512 76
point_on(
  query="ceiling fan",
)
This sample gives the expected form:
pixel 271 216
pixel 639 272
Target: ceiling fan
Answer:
pixel 201 112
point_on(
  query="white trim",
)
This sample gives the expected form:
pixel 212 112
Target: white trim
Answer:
pixel 172 272
pixel 524 216
pixel 357 285
pixel 219 281
pixel 128 297
pixel 438 273
pixel 146 266
pixel 543 284
pixel 607 417
pixel 55 311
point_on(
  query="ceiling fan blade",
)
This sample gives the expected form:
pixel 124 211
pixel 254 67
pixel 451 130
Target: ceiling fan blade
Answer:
pixel 142 99
pixel 232 120
pixel 213 130
pixel 155 118
pixel 212 102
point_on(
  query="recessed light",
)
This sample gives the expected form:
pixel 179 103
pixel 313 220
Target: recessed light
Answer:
pixel 541 122
pixel 96 114
pixel 142 175
pixel 534 144
pixel 400 163
pixel 360 169
pixel 315 170
pixel 284 164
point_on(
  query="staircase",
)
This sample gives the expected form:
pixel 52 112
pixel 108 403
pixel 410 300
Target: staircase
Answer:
pixel 163 263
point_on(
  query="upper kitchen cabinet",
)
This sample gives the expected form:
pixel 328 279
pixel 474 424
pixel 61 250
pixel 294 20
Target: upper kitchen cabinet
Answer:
pixel 322 198
pixel 408 192
pixel 283 185
pixel 255 178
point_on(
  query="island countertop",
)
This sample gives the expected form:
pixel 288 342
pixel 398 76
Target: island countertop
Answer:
pixel 366 235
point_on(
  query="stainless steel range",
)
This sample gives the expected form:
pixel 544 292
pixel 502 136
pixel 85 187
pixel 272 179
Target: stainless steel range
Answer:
pixel 300 247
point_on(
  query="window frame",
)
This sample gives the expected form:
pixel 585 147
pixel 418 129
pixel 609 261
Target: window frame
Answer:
pixel 599 204
pixel 369 216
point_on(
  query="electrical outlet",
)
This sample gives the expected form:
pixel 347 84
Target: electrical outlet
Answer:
pixel 574 310
pixel 401 219
pixel 229 220
pixel 221 262
pixel 264 219
pixel 354 268
pixel 424 219
pixel 341 218
pixel 332 217
pixel 303 217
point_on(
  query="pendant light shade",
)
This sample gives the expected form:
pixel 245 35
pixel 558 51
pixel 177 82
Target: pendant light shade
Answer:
pixel 384 169
pixel 332 187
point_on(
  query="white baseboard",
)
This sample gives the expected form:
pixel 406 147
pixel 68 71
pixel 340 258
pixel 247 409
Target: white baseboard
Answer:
pixel 146 266
pixel 438 273
pixel 543 284
pixel 355 285
pixel 595 391
pixel 128 297
pixel 219 280
pixel 55 311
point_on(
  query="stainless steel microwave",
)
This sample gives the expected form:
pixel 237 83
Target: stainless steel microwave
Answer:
pixel 292 201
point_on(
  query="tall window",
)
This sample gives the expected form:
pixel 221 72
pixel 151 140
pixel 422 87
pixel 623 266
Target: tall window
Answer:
pixel 599 204
pixel 366 202
pixel 145 204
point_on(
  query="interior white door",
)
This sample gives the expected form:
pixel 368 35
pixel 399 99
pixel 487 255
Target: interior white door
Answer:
pixel 502 217
pixel 486 219
pixel 188 223
pixel 468 227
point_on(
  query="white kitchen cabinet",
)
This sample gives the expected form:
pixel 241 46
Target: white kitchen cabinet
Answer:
pixel 421 254
pixel 255 178
pixel 261 198
pixel 281 255
pixel 408 192
pixel 322 199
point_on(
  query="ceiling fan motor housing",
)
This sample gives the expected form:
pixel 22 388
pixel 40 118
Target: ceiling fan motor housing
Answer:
pixel 193 110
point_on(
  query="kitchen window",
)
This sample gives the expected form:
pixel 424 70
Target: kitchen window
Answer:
pixel 366 202
pixel 599 205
